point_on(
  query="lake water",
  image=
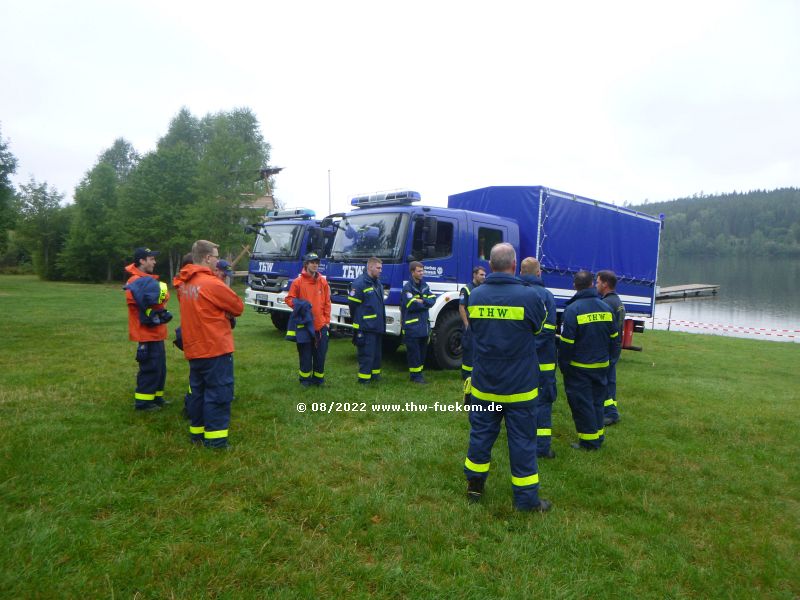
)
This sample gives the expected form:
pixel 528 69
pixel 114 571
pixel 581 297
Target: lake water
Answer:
pixel 758 298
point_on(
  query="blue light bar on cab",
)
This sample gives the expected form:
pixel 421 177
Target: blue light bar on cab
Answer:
pixel 401 197
pixel 292 213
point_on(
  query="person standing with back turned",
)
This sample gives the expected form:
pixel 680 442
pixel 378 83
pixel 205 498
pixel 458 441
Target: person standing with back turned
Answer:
pixel 505 315
pixel 531 272
pixel 589 339
pixel 207 305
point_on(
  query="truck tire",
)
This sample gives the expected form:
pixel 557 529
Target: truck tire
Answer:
pixel 445 347
pixel 280 319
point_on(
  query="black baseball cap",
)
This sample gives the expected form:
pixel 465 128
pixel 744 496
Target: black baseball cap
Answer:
pixel 142 253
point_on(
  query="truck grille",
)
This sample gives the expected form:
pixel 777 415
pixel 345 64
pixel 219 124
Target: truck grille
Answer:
pixel 266 283
pixel 339 288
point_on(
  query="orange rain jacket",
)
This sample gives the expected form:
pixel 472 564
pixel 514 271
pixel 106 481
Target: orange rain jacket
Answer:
pixel 316 291
pixel 206 303
pixel 138 332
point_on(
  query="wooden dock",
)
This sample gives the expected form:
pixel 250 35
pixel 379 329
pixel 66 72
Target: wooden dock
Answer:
pixel 687 290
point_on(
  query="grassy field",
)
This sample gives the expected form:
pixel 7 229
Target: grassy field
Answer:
pixel 696 493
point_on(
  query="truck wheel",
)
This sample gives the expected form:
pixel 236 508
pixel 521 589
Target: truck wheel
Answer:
pixel 445 347
pixel 280 319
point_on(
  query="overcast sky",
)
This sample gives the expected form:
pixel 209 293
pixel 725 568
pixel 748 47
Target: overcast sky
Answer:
pixel 618 101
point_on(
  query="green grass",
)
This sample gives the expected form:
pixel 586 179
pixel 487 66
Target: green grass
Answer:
pixel 695 494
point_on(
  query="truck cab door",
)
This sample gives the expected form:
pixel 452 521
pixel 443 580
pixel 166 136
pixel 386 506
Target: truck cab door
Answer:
pixel 435 242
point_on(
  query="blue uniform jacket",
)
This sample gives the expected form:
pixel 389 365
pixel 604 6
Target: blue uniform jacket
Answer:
pixel 465 293
pixel 617 309
pixel 415 315
pixel 589 337
pixel 301 323
pixel 149 295
pixel 546 340
pixel 505 316
pixel 366 305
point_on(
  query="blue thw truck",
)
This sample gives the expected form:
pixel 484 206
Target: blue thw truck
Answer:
pixel 277 258
pixel 566 232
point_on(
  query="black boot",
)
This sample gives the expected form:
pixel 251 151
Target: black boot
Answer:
pixel 475 489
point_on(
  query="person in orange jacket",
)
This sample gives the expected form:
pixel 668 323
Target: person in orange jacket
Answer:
pixel 313 288
pixel 147 298
pixel 207 305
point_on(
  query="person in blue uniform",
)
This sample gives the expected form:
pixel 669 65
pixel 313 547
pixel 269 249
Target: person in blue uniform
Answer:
pixel 531 272
pixel 505 315
pixel 416 300
pixel 606 285
pixel 367 310
pixel 478 276
pixel 589 341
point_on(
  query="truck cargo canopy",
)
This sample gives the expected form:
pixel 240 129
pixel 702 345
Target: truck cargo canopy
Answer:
pixel 568 233
pixel 583 234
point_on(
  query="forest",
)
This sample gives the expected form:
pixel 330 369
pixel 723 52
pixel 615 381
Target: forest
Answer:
pixel 755 223
pixel 199 180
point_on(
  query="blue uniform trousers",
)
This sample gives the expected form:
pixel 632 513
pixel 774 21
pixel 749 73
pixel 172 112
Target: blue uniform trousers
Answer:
pixel 610 404
pixel 312 358
pixel 586 393
pixel 544 411
pixel 187 399
pixel 521 433
pixel 369 357
pixel 211 380
pixel 466 353
pixel 416 348
pixel 152 374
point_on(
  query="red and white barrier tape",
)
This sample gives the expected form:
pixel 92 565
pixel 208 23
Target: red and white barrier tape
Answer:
pixel 783 333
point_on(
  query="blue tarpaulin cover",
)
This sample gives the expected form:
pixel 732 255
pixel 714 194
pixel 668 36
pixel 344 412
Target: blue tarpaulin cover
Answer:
pixel 572 232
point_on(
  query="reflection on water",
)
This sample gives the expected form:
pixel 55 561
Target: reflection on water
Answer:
pixel 758 297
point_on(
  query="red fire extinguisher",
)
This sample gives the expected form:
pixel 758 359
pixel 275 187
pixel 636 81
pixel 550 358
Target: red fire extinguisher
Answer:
pixel 627 334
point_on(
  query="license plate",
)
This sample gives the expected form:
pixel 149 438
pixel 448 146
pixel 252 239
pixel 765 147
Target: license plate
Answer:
pixel 261 297
pixel 345 313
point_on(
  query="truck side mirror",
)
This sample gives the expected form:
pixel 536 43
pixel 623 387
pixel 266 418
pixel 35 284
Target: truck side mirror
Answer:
pixel 331 220
pixel 417 244
pixel 430 229
pixel 258 230
pixel 316 240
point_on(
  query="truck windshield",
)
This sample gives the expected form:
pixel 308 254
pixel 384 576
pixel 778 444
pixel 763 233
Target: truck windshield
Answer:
pixel 279 241
pixel 361 236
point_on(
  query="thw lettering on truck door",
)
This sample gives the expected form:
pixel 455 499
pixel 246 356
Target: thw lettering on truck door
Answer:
pixel 352 271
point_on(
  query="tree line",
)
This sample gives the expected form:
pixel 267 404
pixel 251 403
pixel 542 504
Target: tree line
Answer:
pixel 756 223
pixel 197 183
